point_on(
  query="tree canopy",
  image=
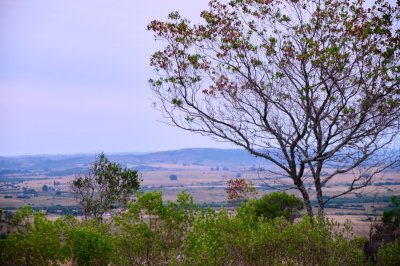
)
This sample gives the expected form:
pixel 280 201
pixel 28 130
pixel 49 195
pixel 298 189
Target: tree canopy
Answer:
pixel 106 185
pixel 277 204
pixel 310 85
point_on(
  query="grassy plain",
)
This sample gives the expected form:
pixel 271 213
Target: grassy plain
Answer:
pixel 207 185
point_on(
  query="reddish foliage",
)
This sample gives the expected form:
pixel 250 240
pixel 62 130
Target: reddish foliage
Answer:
pixel 239 189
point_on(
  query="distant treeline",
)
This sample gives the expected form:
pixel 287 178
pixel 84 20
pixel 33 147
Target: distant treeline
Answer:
pixel 57 209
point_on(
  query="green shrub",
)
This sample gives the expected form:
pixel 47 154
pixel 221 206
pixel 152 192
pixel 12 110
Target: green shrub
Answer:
pixel 136 244
pixel 389 254
pixel 391 217
pixel 385 232
pixel 36 243
pixel 205 243
pixel 218 238
pixel 276 204
pixel 90 243
pixel 179 233
pixel 153 231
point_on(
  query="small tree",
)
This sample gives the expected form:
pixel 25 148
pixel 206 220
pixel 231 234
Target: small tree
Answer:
pixel 240 189
pixel 311 86
pixel 173 177
pixel 105 185
pixel 45 188
pixel 391 217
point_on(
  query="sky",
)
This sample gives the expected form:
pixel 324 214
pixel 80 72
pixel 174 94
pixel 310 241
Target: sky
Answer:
pixel 73 77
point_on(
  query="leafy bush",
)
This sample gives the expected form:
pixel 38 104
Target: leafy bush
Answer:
pixel 384 232
pixel 36 243
pixel 273 205
pixel 90 243
pixel 218 238
pixel 205 243
pixel 391 217
pixel 152 232
pixel 173 177
pixel 389 254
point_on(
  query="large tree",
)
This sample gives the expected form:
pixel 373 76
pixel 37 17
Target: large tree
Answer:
pixel 311 86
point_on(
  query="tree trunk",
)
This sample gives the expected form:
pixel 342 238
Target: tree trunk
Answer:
pixel 321 211
pixel 306 198
pixel 320 200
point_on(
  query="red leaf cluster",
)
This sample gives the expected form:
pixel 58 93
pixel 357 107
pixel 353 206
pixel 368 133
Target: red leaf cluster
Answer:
pixel 239 189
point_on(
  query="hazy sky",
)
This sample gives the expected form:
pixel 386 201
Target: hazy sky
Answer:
pixel 73 77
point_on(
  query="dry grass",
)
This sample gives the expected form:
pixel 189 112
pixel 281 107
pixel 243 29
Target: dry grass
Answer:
pixel 208 186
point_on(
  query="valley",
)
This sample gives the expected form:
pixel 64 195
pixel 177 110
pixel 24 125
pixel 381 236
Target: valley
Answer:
pixel 43 182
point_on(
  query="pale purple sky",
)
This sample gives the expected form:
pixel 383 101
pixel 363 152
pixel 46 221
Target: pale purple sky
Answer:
pixel 73 77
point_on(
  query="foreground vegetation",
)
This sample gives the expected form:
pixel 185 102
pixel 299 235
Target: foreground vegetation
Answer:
pixel 179 233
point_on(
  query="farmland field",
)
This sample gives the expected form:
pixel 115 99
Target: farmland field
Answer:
pixel 204 179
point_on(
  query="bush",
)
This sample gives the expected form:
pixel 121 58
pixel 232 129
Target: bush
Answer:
pixel 173 177
pixel 384 232
pixel 218 238
pixel 90 244
pixel 389 254
pixel 391 217
pixel 36 243
pixel 276 204
pixel 152 232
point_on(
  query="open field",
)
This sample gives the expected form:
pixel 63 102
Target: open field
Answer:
pixel 205 180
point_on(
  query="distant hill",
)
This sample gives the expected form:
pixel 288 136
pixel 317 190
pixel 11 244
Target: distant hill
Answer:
pixel 205 156
pixel 59 165
pixel 63 165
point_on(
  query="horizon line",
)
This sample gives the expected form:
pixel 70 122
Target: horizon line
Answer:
pixel 116 153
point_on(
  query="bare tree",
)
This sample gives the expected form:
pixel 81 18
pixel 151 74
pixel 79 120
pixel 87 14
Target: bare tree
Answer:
pixel 311 86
